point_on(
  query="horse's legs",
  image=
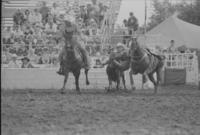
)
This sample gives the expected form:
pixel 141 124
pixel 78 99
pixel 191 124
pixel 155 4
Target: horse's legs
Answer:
pixel 151 77
pixel 76 75
pixel 123 80
pixel 110 85
pixel 131 80
pixel 144 79
pixel 159 78
pixel 118 84
pixel 118 80
pixel 65 81
pixel 86 75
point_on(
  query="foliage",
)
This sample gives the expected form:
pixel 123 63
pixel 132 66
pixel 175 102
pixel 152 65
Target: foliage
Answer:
pixel 162 10
pixel 189 12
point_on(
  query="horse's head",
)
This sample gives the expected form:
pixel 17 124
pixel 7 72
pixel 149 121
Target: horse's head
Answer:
pixel 136 51
pixel 134 46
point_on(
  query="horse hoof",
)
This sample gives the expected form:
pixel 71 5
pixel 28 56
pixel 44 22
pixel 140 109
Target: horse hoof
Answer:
pixel 133 88
pixel 107 89
pixel 125 90
pixel 78 92
pixel 87 83
pixel 62 91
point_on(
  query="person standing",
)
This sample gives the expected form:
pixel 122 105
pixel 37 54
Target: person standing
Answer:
pixel 172 47
pixel 132 24
pixel 44 10
pixel 13 62
pixel 26 63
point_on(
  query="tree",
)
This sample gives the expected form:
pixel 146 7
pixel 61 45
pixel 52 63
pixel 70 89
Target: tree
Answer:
pixel 162 10
pixel 190 12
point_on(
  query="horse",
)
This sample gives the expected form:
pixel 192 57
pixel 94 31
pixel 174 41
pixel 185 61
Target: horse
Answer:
pixel 115 71
pixel 145 62
pixel 74 59
pixel 73 63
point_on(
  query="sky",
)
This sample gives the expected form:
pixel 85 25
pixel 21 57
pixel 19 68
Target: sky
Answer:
pixel 135 6
pixel 138 8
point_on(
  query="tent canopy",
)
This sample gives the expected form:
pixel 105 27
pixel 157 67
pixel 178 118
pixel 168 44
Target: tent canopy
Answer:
pixel 183 33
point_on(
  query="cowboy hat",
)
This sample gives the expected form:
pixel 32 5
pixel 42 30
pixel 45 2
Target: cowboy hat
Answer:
pixel 120 45
pixel 25 58
pixel 14 56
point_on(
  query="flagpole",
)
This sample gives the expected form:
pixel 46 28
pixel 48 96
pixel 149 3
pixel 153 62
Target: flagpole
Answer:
pixel 145 21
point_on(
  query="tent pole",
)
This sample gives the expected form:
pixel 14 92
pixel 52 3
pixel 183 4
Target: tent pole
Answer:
pixel 145 21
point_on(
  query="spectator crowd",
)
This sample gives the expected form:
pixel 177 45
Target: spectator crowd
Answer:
pixel 36 33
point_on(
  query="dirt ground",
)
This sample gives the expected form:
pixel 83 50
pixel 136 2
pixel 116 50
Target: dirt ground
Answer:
pixel 174 110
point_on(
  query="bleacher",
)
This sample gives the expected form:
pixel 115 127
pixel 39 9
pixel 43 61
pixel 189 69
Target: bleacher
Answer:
pixel 10 6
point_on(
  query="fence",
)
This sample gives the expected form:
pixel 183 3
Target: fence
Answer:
pixel 189 61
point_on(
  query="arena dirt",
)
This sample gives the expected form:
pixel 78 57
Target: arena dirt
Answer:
pixel 175 110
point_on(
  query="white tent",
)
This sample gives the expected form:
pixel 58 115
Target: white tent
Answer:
pixel 183 33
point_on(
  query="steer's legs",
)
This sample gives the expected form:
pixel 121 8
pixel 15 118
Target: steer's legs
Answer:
pixel 131 80
pixel 151 77
pixel 123 80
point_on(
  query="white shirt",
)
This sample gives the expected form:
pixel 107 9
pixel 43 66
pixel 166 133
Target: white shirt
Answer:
pixel 13 64
pixel 55 11
pixel 54 27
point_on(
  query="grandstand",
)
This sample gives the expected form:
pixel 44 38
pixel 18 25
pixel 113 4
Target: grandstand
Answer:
pixel 10 6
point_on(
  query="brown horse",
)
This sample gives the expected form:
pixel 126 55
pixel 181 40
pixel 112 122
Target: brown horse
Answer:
pixel 146 63
pixel 74 60
pixel 74 64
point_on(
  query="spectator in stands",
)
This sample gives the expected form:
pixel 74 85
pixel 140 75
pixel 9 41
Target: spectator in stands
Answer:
pixel 45 55
pixel 172 47
pixel 55 11
pixel 26 16
pixel 18 18
pixel 93 27
pixel 83 13
pixel 48 28
pixel 18 33
pixel 26 63
pixel 13 63
pixel 7 55
pixel 44 10
pixel 37 16
pixel 132 23
pixel 95 6
pixel 125 23
pixel 7 35
pixel 31 18
pixel 101 13
pixel 50 18
pixel 89 10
